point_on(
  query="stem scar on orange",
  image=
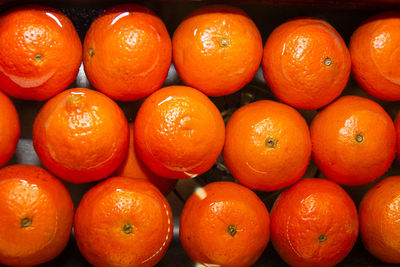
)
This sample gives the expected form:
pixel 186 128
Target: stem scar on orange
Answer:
pixel 374 49
pixel 379 220
pixel 123 222
pixel 81 135
pixel 306 63
pixel 224 224
pixel 179 132
pixel 133 167
pixel 314 223
pixel 40 52
pixel 9 129
pixel 217 49
pixel 127 52
pixel 354 140
pixel 267 145
pixel 36 216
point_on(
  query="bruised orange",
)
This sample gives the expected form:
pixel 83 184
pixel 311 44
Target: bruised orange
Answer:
pixel 224 224
pixel 374 49
pixel 36 216
pixel 314 223
pixel 9 129
pixel 306 63
pixel 123 222
pixel 354 140
pixel 133 167
pixel 127 52
pixel 379 220
pixel 81 135
pixel 40 52
pixel 267 145
pixel 217 49
pixel 179 132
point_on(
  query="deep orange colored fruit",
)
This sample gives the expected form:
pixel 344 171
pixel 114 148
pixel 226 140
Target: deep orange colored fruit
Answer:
pixel 40 52
pixel 354 140
pixel 9 129
pixel 81 135
pixel 127 52
pixel 123 222
pixel 397 127
pixel 379 220
pixel 267 145
pixel 133 167
pixel 217 49
pixel 306 63
pixel 314 223
pixel 179 132
pixel 36 216
pixel 224 224
pixel 374 49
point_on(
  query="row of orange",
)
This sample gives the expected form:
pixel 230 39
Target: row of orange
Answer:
pixel 217 49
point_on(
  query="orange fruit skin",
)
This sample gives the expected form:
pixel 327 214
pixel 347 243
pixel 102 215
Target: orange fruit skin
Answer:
pixel 9 129
pixel 132 166
pixel 294 63
pixel 248 157
pixel 81 135
pixel 40 52
pixel 397 127
pixel 336 151
pixel 105 210
pixel 179 132
pixel 216 68
pixel 127 52
pixel 307 211
pixel 31 192
pixel 379 220
pixel 205 220
pixel 374 49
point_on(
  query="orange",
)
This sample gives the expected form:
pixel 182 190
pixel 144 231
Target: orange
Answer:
pixel 314 223
pixel 132 166
pixel 397 127
pixel 217 49
pixel 81 135
pixel 127 52
pixel 36 216
pixel 374 49
pixel 267 145
pixel 123 222
pixel 40 52
pixel 179 132
pixel 224 224
pixel 306 63
pixel 354 140
pixel 379 220
pixel 9 129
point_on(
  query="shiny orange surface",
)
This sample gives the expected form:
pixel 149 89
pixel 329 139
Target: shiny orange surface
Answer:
pixel 224 224
pixel 354 140
pixel 81 135
pixel 314 223
pixel 40 52
pixel 179 132
pixel 306 63
pixel 30 192
pixel 380 220
pixel 217 49
pixel 258 164
pixel 107 209
pixel 127 52
pixel 375 53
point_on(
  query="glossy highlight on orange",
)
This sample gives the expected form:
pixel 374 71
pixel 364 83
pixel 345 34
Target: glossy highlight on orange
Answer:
pixel 123 222
pixel 40 52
